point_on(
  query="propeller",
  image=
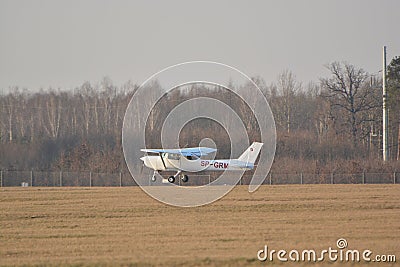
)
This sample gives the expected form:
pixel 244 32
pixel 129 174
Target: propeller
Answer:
pixel 141 169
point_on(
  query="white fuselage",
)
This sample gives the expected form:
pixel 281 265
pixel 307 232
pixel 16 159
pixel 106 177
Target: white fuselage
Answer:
pixel 173 162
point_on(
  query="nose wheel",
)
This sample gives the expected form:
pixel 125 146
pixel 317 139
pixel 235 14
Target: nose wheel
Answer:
pixel 153 178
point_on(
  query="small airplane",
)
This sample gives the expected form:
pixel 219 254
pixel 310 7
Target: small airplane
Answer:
pixel 189 160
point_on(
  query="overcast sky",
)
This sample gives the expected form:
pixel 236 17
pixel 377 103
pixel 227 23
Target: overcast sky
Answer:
pixel 64 43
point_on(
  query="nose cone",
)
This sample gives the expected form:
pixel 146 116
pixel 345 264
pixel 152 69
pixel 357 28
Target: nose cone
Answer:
pixel 152 162
pixel 146 161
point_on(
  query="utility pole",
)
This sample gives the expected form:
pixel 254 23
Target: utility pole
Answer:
pixel 398 145
pixel 385 120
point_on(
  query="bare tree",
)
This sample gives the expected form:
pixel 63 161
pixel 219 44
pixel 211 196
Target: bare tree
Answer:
pixel 348 91
pixel 393 82
pixel 284 93
pixel 53 108
pixel 10 104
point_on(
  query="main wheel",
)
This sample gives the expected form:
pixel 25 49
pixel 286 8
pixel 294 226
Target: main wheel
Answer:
pixel 153 178
pixel 185 178
pixel 171 179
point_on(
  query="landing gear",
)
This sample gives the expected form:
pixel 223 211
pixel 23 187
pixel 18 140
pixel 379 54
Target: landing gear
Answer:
pixel 154 178
pixel 171 179
pixel 184 178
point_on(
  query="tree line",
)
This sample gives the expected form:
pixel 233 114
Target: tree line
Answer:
pixel 331 125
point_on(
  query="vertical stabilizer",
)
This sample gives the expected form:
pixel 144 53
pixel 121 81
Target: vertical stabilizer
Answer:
pixel 251 153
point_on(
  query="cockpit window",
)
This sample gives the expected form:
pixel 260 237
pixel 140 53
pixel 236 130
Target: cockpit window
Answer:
pixel 174 156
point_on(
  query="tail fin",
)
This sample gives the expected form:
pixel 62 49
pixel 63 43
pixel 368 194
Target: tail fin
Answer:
pixel 250 155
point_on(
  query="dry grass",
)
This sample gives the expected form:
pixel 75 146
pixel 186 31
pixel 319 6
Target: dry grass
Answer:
pixel 124 226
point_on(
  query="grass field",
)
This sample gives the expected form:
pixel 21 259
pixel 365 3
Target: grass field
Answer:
pixel 124 226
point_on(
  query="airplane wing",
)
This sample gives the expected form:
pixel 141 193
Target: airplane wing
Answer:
pixel 190 151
